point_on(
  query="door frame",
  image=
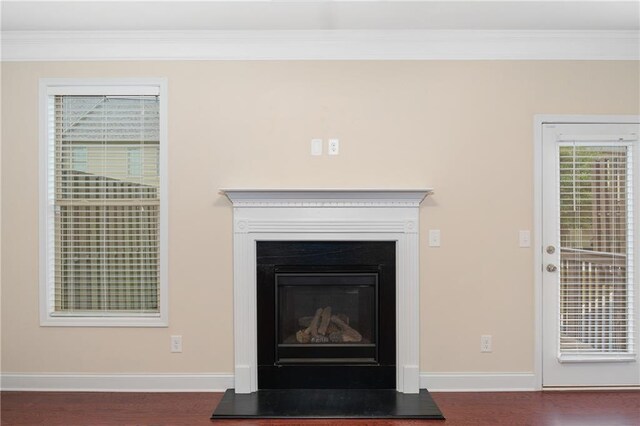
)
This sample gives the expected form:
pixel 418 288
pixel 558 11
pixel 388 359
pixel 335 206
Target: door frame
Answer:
pixel 538 121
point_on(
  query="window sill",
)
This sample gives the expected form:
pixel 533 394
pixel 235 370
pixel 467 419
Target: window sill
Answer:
pixel 599 357
pixel 112 321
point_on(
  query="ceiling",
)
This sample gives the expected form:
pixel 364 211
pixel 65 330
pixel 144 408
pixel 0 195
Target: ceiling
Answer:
pixel 318 15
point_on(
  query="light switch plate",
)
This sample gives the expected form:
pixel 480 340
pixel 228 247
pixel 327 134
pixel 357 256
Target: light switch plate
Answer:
pixel 316 146
pixel 524 238
pixel 434 238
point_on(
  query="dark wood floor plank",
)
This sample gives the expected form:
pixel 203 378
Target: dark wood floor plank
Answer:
pixel 610 408
pixel 109 408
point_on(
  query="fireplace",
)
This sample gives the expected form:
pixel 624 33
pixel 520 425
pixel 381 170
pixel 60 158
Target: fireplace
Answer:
pixel 343 325
pixel 299 251
pixel 326 314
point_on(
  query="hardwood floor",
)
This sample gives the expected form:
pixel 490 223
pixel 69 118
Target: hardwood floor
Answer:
pixel 610 408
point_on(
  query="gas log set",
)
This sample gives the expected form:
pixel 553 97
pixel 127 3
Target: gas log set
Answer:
pixel 326 327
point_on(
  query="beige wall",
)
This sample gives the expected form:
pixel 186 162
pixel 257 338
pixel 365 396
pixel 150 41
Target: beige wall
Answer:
pixel 464 128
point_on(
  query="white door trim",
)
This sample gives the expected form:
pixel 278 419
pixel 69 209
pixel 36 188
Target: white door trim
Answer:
pixel 538 121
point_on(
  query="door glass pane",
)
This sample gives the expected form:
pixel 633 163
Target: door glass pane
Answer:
pixel 596 253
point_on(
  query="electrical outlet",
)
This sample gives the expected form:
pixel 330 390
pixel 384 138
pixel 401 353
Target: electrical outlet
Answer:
pixel 176 343
pixel 333 147
pixel 485 343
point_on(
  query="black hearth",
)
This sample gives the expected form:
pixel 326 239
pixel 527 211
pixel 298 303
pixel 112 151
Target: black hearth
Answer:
pixel 326 314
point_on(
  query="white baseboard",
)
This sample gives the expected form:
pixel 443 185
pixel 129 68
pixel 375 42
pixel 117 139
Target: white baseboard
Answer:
pixel 478 382
pixel 215 382
pixel 206 382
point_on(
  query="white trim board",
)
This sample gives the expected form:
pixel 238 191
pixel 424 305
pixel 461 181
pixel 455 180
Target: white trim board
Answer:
pixel 201 382
pixel 321 45
pixel 478 382
pixel 131 86
pixel 219 382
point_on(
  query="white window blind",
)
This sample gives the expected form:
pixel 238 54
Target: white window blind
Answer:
pixel 134 162
pixel 596 257
pixel 79 158
pixel 104 224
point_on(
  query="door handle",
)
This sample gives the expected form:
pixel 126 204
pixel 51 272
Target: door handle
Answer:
pixel 551 267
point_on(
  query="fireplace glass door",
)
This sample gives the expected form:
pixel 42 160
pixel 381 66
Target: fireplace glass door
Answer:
pixel 326 318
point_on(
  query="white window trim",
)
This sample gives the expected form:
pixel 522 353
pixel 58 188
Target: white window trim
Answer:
pixel 49 86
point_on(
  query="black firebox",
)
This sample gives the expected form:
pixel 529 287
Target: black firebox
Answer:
pixel 326 314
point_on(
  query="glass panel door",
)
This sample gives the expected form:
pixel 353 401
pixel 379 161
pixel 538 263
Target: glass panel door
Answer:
pixel 590 222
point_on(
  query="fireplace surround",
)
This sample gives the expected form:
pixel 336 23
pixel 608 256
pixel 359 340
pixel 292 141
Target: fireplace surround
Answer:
pixel 326 216
pixel 326 314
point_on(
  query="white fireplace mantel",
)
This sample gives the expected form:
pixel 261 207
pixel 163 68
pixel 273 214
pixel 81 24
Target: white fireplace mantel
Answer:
pixel 326 197
pixel 330 215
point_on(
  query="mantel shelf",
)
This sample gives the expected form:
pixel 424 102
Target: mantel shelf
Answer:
pixel 326 197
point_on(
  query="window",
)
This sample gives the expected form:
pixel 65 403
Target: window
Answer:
pixel 79 158
pixel 103 195
pixel 596 255
pixel 134 161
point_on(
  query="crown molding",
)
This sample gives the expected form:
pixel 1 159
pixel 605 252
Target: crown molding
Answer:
pixel 321 45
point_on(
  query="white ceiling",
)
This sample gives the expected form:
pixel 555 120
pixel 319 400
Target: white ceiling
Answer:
pixel 319 15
